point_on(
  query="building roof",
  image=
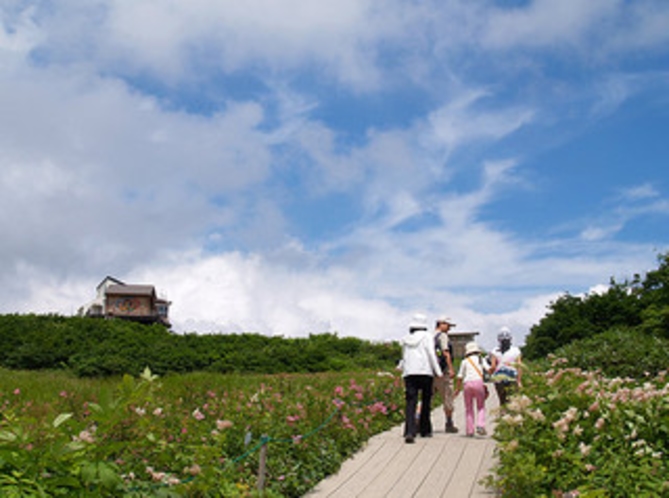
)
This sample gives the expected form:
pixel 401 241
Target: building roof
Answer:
pixel 109 279
pixel 131 290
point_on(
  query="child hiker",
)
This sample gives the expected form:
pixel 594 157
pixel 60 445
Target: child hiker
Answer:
pixel 471 374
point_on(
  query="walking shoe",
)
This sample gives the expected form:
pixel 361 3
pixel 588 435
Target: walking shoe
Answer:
pixel 450 428
pixel 409 439
pixel 481 431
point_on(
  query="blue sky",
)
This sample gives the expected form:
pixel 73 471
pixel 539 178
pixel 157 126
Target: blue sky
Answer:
pixel 299 166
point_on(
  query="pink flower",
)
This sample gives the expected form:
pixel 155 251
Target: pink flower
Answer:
pixel 223 424
pixel 197 414
pixel 17 391
pixel 63 394
pixel 339 391
pixel 194 469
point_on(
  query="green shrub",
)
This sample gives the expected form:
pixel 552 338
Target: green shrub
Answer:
pixel 619 352
pixel 576 433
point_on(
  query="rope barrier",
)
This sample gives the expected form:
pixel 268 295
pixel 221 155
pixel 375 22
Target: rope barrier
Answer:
pixel 267 439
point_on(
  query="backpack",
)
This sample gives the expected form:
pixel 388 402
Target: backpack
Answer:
pixel 440 352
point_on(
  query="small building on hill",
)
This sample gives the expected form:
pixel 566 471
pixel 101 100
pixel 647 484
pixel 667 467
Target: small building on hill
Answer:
pixel 116 299
pixel 459 340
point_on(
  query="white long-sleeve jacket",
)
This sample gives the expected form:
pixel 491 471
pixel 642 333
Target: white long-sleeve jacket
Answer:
pixel 418 355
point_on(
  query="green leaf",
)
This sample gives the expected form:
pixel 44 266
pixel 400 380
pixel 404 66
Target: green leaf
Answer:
pixel 62 418
pixel 7 436
pixel 108 476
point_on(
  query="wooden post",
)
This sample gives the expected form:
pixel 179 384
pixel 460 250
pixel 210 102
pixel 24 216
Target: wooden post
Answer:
pixel 262 464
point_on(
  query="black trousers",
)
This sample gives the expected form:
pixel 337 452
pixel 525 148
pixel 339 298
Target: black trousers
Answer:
pixel 504 391
pixel 413 385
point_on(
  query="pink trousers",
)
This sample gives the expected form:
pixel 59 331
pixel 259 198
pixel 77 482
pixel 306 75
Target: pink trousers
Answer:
pixel 474 390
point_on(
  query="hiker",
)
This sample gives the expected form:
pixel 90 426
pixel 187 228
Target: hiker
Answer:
pixel 444 384
pixel 419 367
pixel 506 362
pixel 472 374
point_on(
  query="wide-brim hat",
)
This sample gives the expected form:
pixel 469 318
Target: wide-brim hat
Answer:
pixel 472 348
pixel 418 321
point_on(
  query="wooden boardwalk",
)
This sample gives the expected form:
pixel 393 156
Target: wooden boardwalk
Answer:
pixel 445 465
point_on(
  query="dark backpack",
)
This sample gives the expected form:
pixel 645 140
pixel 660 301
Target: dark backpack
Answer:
pixel 440 352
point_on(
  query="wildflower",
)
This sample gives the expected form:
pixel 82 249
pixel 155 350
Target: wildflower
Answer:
pixel 291 419
pixel 537 415
pixel 223 424
pixel 590 468
pixel 63 394
pixel 156 476
pixel 378 407
pixel 158 412
pixel 130 476
pixel 339 391
pixel 197 414
pixel 584 448
pixel 519 403
pixel 140 411
pixel 17 391
pixel 297 439
pixel 193 470
pixel 512 445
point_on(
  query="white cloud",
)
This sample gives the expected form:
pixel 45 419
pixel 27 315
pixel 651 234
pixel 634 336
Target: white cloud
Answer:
pixel 546 23
pixel 459 122
pixel 98 175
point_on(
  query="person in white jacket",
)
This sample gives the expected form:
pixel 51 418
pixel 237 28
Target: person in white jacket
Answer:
pixel 419 367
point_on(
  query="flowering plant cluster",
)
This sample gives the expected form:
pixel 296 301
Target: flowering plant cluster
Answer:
pixel 577 433
pixel 185 435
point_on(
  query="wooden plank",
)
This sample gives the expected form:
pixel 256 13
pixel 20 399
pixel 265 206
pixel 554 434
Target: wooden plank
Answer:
pixel 368 473
pixel 357 472
pixel 446 465
pixel 467 469
pixel 407 470
pixel 443 471
pixel 487 463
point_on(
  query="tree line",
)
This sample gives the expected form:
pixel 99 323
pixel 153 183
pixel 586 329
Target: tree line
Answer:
pixel 94 347
pixel 623 331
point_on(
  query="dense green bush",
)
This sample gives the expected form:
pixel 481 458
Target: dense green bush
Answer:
pixel 92 347
pixel 639 303
pixel 573 433
pixel 619 352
